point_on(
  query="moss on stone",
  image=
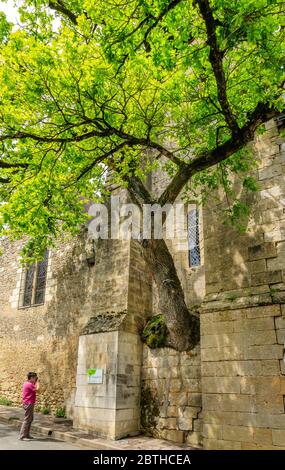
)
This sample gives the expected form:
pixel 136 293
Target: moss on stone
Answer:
pixel 155 332
pixel 149 412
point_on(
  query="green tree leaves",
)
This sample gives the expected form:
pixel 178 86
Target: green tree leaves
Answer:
pixel 90 86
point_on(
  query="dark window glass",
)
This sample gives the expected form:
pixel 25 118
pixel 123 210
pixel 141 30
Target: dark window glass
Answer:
pixel 193 238
pixel 34 284
pixel 28 288
pixel 41 276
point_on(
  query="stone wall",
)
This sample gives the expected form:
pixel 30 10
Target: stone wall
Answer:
pixel 242 382
pixel 110 408
pixel 45 338
pixel 242 322
pixel 174 381
pixel 112 343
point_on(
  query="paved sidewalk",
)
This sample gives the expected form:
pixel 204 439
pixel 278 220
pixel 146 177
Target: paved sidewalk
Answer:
pixel 45 426
pixel 9 441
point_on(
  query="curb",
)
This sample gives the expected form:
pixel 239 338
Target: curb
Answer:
pixel 60 435
pixel 71 435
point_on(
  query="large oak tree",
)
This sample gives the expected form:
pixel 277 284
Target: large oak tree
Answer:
pixel 127 85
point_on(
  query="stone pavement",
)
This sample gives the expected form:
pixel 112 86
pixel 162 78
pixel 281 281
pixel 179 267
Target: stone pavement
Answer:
pixel 9 441
pixel 46 426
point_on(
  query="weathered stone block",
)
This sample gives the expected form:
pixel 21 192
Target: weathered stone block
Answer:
pixel 192 385
pixel 238 433
pixel 260 385
pixel 194 439
pixel 258 266
pixel 228 402
pixel 254 324
pixel 280 321
pixel 224 327
pixel 270 277
pixel 278 437
pixel 220 340
pixel 264 311
pixel 270 367
pixel 195 399
pixel 178 398
pixel 263 250
pixel 274 351
pixel 282 366
pixel 269 403
pixel 167 423
pixel 270 172
pixel 221 384
pixel 214 444
pixel 280 336
pixel 213 431
pixel 222 354
pixel 172 412
pixel 262 436
pixel 173 435
pixel 253 338
pixel 185 417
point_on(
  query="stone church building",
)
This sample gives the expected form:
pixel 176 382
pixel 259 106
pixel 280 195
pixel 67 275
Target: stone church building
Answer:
pixel 76 319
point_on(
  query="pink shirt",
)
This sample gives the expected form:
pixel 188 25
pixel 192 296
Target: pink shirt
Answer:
pixel 29 393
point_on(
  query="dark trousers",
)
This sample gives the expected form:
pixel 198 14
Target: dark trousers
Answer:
pixel 29 416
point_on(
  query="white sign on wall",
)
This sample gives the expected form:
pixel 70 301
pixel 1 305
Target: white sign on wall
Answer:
pixel 95 376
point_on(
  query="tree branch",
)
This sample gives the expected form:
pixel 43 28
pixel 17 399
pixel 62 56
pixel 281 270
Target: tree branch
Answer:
pixel 138 191
pixel 20 135
pixel 100 159
pixel 105 132
pixel 156 20
pixel 262 113
pixel 59 7
pixel 4 180
pixel 216 60
pixel 13 165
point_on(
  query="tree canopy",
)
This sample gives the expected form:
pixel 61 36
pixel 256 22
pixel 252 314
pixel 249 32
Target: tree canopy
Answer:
pixel 129 85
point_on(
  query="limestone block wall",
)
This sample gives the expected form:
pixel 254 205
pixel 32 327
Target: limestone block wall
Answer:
pixel 140 286
pixel 242 322
pixel 253 261
pixel 174 380
pixel 42 338
pixel 45 338
pixel 110 409
pixel 242 381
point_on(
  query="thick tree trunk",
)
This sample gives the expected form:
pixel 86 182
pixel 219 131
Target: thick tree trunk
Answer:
pixel 184 327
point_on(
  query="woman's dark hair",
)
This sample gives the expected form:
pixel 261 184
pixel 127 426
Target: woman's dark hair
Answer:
pixel 31 375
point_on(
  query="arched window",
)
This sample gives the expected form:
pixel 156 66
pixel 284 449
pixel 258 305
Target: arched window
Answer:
pixel 194 238
pixel 33 284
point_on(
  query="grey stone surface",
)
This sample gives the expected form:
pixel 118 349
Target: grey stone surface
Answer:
pixel 9 441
